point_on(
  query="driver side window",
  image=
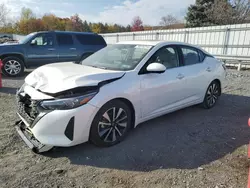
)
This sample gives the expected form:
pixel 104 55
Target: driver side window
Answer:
pixel 167 56
pixel 43 40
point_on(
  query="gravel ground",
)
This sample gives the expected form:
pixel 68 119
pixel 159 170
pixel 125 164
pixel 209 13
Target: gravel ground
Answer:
pixel 189 148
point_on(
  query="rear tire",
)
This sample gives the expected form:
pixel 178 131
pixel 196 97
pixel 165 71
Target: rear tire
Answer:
pixel 212 95
pixel 111 124
pixel 12 66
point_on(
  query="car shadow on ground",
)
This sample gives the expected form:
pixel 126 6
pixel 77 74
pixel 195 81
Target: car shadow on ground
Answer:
pixel 185 139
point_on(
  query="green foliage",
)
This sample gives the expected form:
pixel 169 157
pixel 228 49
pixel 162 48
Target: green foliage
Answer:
pixel 217 12
pixel 26 14
pixel 197 13
pixel 86 27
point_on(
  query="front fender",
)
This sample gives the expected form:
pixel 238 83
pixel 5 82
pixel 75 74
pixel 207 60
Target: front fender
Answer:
pixel 121 88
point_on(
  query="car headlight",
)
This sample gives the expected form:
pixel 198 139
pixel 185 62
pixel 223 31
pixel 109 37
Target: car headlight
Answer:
pixel 68 103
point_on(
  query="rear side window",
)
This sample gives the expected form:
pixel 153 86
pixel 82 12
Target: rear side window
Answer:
pixel 202 56
pixel 191 56
pixel 90 39
pixel 64 39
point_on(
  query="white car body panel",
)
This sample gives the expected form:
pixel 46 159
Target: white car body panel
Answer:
pixel 151 95
pixel 59 77
pixel 59 119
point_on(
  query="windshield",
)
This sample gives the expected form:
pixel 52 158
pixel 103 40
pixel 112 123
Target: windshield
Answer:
pixel 27 38
pixel 122 57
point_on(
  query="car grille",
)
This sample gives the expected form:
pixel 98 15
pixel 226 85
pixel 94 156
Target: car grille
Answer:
pixel 26 108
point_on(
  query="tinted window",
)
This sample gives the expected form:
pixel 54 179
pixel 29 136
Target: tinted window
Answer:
pixel 64 39
pixel 90 39
pixel 202 56
pixel 191 56
pixel 167 56
pixel 43 40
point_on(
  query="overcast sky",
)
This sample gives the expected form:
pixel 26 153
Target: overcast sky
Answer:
pixel 110 11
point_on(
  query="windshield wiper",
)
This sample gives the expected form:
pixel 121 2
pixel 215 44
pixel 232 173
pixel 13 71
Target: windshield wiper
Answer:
pixel 102 68
pixel 97 67
pixel 92 66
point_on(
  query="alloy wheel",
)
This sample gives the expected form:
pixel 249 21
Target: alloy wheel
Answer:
pixel 12 67
pixel 212 94
pixel 113 124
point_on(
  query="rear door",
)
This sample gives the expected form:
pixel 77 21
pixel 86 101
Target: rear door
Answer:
pixel 90 43
pixel 42 50
pixel 67 49
pixel 195 72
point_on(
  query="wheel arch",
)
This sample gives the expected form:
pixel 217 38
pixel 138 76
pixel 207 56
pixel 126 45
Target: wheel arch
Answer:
pixel 19 56
pixel 130 105
pixel 219 82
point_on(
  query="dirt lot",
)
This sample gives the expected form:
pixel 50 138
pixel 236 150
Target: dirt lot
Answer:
pixel 189 148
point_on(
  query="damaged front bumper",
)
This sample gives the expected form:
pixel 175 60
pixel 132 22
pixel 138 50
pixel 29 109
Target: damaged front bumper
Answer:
pixel 27 136
pixel 43 129
pixel 27 112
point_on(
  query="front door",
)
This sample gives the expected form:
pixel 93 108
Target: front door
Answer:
pixel 161 92
pixel 42 50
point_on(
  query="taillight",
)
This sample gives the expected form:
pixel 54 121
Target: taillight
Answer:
pixel 249 122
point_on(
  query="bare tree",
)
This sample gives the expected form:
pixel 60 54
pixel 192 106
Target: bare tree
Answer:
pixel 220 13
pixel 3 14
pixel 168 20
pixel 27 13
pixel 224 12
pixel 241 10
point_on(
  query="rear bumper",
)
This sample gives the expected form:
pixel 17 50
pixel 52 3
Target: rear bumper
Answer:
pixel 29 138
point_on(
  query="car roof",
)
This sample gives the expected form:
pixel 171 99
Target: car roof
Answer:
pixel 154 43
pixel 161 42
pixel 69 32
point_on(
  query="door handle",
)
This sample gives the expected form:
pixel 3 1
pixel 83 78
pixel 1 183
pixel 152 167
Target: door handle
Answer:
pixel 208 69
pixel 180 76
pixel 72 48
pixel 51 49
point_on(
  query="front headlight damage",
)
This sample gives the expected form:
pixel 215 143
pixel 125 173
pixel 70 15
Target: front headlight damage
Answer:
pixel 67 103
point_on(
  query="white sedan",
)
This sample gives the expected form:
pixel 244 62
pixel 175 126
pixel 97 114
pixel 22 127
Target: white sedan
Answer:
pixel 112 91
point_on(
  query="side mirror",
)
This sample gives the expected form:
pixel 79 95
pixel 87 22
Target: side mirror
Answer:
pixel 156 68
pixel 33 43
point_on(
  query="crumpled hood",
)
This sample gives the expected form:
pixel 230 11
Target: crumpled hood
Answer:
pixel 57 77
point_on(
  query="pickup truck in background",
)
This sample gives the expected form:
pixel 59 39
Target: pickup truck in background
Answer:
pixel 45 47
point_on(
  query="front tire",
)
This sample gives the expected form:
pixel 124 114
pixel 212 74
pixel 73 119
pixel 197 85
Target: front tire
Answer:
pixel 13 66
pixel 111 124
pixel 212 95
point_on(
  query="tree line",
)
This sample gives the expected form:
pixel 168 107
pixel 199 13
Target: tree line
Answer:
pixel 202 13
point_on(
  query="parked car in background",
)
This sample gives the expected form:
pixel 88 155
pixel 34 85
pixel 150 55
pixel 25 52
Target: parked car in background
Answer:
pixel 5 38
pixel 41 48
pixel 114 90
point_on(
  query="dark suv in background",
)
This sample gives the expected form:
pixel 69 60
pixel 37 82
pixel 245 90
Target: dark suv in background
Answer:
pixel 41 48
